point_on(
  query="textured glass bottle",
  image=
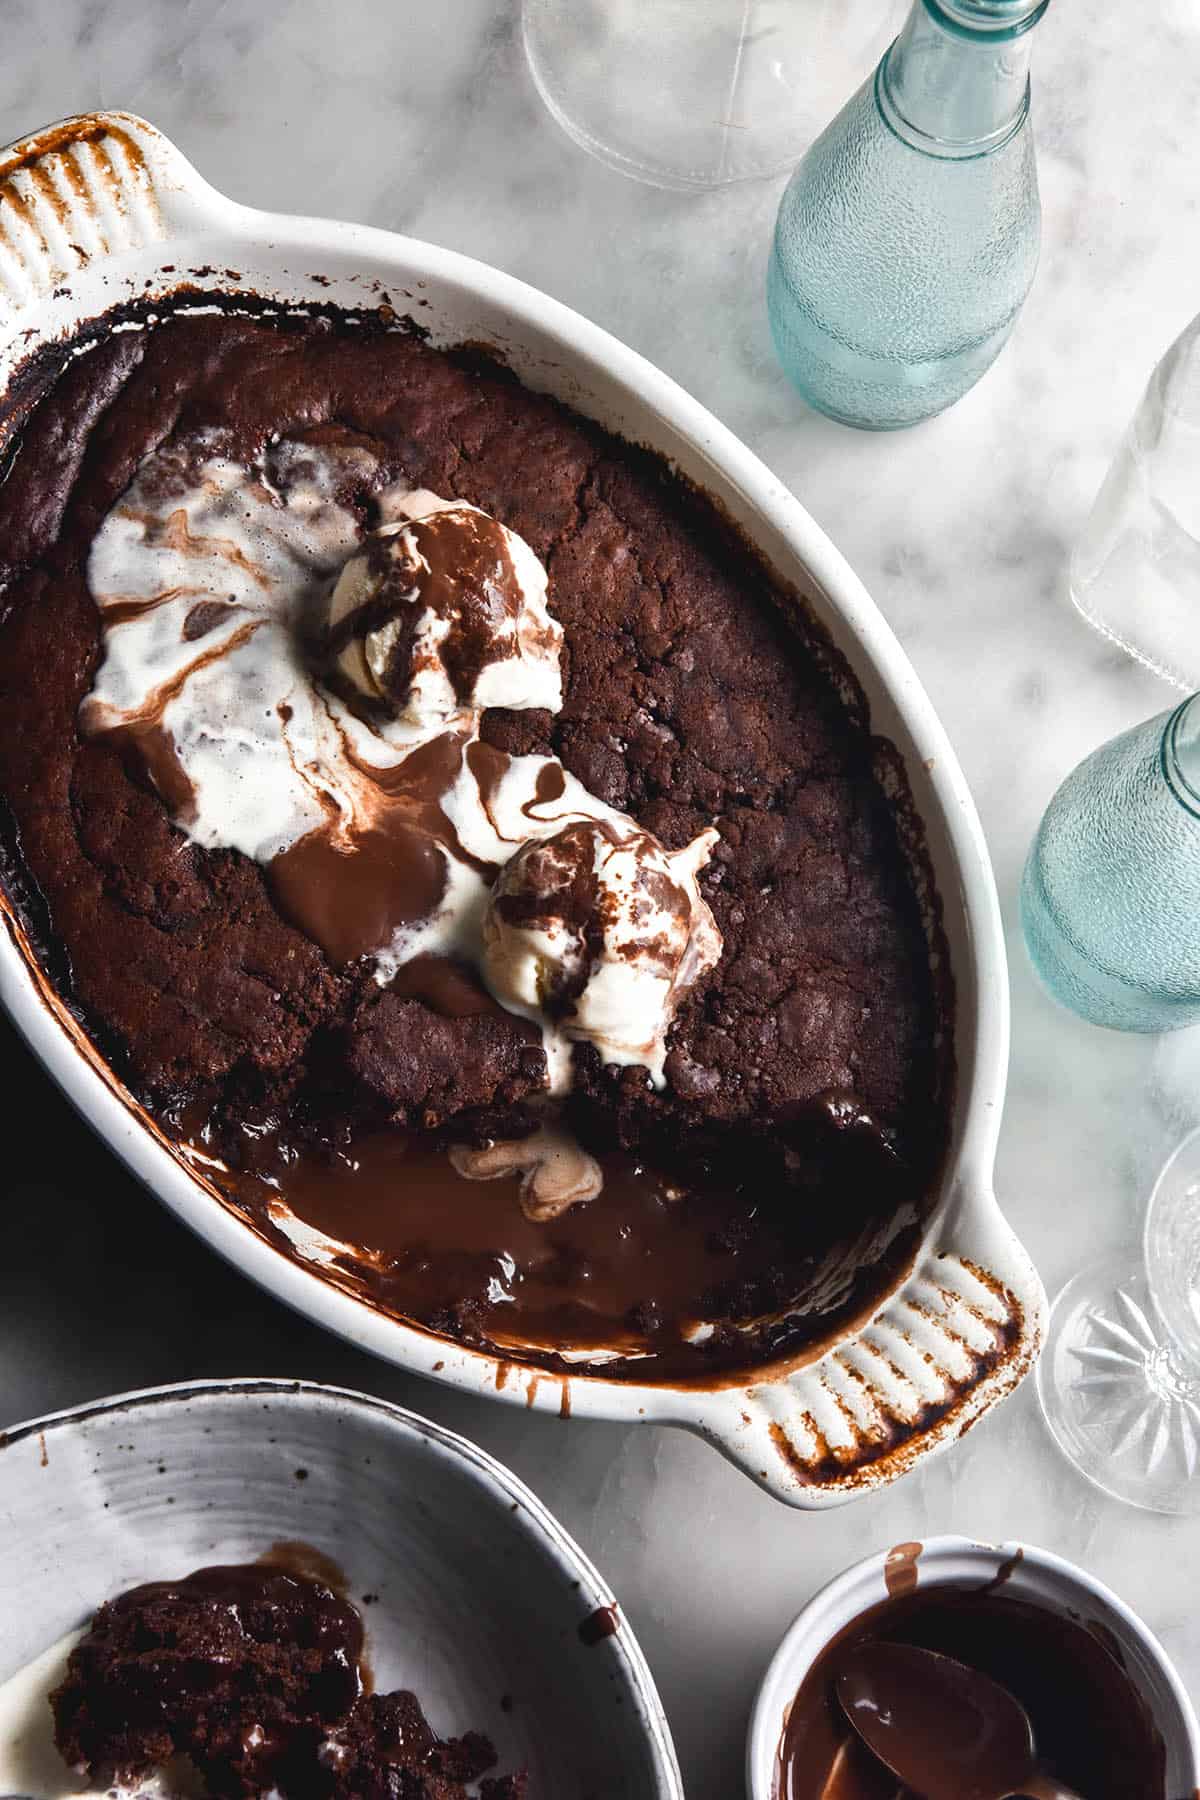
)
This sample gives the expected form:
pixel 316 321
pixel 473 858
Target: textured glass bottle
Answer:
pixel 1110 901
pixel 908 236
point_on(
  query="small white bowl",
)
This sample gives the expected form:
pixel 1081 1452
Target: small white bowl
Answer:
pixel 1037 1576
pixel 480 1593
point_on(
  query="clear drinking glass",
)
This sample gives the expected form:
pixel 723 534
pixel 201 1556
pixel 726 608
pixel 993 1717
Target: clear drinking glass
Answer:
pixel 1135 574
pixel 1119 1378
pixel 697 93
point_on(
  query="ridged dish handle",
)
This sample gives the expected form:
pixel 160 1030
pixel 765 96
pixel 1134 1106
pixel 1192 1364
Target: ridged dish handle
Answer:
pixel 90 187
pixel 958 1335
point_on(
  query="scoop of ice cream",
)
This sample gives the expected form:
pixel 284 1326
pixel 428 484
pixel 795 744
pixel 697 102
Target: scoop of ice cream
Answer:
pixel 444 609
pixel 598 932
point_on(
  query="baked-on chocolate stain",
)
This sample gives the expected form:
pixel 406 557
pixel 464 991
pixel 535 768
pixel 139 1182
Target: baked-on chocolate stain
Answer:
pixel 695 690
pixel 255 1673
pixel 1093 1727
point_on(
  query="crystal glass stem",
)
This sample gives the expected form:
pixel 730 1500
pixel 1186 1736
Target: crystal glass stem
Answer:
pixel 1119 1378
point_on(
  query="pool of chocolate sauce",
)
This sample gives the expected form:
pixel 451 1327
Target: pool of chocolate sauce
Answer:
pixel 1093 1728
pixel 651 1269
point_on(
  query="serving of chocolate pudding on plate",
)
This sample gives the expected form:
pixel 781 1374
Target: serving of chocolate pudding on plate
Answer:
pixel 253 1674
pixel 471 859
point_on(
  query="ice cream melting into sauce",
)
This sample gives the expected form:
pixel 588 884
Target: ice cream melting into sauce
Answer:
pixel 30 1765
pixel 602 930
pixel 445 609
pixel 29 1762
pixel 300 655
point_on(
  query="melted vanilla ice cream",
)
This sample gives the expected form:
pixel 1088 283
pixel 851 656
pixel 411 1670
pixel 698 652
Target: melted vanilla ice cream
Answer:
pixel 556 1173
pixel 445 609
pixel 303 672
pixel 30 1765
pixel 601 930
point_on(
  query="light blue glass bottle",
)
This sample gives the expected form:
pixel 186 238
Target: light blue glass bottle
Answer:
pixel 1110 901
pixel 908 236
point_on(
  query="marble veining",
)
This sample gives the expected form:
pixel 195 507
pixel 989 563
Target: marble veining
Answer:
pixel 424 120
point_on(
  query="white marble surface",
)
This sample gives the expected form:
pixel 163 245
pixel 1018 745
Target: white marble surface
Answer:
pixel 423 119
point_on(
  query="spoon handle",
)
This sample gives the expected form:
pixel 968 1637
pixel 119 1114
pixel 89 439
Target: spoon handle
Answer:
pixel 1043 1787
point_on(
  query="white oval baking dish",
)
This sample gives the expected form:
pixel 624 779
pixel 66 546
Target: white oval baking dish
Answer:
pixel 102 209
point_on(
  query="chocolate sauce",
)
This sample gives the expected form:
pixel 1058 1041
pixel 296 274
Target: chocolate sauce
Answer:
pixel 550 786
pixel 203 618
pixel 470 580
pixel 634 1272
pixel 450 988
pixel 350 897
pixel 151 752
pixel 605 1622
pixel 488 766
pixel 948 1731
pixel 1093 1728
pixel 462 572
pixel 350 890
pixel 279 1598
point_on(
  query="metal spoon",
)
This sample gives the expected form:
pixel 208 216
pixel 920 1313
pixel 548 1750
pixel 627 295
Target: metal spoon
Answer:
pixel 945 1730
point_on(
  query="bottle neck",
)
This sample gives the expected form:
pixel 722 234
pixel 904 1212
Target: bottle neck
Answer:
pixel 1181 754
pixel 956 81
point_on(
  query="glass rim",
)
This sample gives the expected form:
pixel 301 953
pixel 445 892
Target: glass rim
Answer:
pixel 1174 773
pixel 994 19
pixel 1182 1327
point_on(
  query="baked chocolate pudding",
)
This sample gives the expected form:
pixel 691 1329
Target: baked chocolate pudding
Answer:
pixel 1093 1728
pixel 453 838
pixel 253 1674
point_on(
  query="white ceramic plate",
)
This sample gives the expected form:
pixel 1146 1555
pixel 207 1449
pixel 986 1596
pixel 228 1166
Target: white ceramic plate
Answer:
pixel 101 210
pixel 481 1593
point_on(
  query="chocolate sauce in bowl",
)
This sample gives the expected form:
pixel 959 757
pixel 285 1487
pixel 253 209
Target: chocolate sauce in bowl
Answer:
pixel 1093 1728
pixel 939 1724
